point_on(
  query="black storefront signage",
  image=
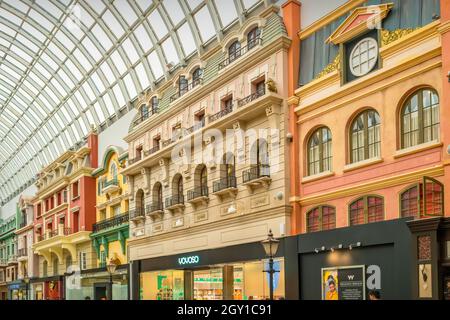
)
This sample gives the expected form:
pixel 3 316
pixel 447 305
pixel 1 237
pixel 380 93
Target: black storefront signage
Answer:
pixel 344 283
pixel 190 260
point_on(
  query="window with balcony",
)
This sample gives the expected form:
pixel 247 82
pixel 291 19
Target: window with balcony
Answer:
pixel 157 198
pixel 253 37
pixel 200 184
pixel 259 162
pixel 234 51
pixel 177 197
pixel 366 210
pixel 197 76
pixel 183 85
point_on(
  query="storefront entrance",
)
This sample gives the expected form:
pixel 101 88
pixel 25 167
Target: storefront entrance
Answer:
pixel 100 291
pixel 236 281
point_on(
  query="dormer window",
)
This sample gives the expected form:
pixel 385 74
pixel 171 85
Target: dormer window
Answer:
pixel 197 77
pixel 253 38
pixel 182 85
pixel 154 103
pixel 144 112
pixel 234 51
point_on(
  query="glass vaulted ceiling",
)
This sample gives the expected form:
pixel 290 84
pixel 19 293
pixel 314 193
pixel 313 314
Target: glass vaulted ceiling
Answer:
pixel 67 64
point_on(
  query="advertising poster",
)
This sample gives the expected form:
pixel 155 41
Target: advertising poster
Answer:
pixel 343 283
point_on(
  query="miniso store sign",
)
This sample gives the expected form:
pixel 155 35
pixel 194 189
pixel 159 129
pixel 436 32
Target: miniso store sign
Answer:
pixel 190 260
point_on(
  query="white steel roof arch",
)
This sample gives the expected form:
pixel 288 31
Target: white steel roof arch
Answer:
pixel 68 64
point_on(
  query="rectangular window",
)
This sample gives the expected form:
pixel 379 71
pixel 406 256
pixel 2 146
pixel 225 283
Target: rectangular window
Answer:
pixel 83 260
pixel 75 190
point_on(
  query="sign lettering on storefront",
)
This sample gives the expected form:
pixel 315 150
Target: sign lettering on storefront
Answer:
pixel 188 260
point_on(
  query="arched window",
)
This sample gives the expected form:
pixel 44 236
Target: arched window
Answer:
pixel 321 218
pixel 68 261
pixel 154 102
pixel 420 118
pixel 197 77
pixel 253 37
pixel 366 209
pixel 140 203
pixel 113 171
pixel 157 203
pixel 182 85
pixel 204 180
pixel 177 191
pixel 320 151
pixel 144 112
pixel 423 199
pixel 229 169
pixel 234 51
pixel 365 136
pixel 45 268
pixel 55 266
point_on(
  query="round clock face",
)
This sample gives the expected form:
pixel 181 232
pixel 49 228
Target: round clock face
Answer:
pixel 363 57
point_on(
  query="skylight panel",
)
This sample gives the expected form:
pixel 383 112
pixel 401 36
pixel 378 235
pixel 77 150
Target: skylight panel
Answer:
pixel 143 4
pixel 119 95
pixel 92 49
pixel 113 24
pixel 170 51
pixel 27 43
pixel 193 4
pixel 130 86
pixel 108 104
pixel 186 39
pixel 50 8
pixel 97 5
pixel 41 20
pixel 99 112
pixel 130 50
pixel 249 3
pixel 81 58
pixel 143 38
pixel 205 24
pixel 125 10
pixel 65 40
pixel 118 62
pixel 142 76
pixel 102 37
pixel 227 11
pixel 107 72
pixel 158 25
pixel 174 10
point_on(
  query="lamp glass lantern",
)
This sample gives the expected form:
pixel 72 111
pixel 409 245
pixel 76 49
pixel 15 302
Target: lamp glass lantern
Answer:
pixel 270 245
pixel 111 267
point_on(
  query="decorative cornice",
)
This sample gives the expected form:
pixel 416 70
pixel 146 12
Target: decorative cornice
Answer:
pixel 220 224
pixel 258 55
pixel 333 66
pixel 389 36
pixel 371 186
pixel 319 24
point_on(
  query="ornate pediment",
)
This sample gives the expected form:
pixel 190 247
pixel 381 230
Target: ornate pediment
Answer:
pixel 359 21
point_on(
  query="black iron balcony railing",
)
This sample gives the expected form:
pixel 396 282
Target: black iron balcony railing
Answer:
pixel 195 127
pixel 134 160
pixel 151 111
pixel 59 232
pixel 153 150
pixel 154 207
pixel 137 213
pixel 240 52
pixel 197 192
pixel 23 224
pixel 186 88
pixel 256 172
pixel 257 94
pixel 174 200
pixel 22 252
pixel 3 262
pixel 112 182
pixel 221 114
pixel 224 183
pixel 111 222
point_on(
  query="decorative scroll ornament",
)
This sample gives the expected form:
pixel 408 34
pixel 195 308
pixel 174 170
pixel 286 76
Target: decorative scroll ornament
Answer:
pixel 333 66
pixel 389 36
pixel 271 85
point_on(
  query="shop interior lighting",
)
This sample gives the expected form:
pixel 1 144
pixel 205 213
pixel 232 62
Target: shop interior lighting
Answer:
pixel 354 245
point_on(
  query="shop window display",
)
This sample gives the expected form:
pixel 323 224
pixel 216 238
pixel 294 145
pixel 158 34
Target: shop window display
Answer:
pixel 247 282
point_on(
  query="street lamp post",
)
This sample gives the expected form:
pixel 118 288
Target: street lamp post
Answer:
pixel 27 287
pixel 111 267
pixel 270 246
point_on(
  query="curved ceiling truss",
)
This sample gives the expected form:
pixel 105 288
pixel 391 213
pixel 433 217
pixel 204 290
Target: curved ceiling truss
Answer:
pixel 68 64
